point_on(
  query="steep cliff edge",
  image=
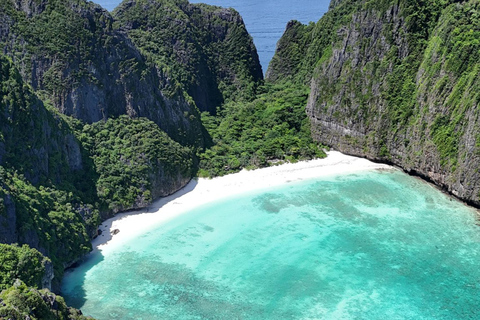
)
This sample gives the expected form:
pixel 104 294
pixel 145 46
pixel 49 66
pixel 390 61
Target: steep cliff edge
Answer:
pixel 70 53
pixel 206 49
pixel 91 125
pixel 58 176
pixel 45 182
pixel 395 81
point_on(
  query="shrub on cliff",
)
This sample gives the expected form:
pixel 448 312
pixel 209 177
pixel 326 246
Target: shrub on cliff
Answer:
pixel 21 302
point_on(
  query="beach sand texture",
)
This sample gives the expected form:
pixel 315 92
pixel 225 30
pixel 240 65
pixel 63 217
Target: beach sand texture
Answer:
pixel 203 191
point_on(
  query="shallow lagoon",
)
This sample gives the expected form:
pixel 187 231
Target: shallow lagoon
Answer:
pixel 371 245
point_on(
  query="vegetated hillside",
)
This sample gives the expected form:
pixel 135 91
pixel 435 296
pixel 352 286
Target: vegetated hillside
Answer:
pixel 41 165
pixel 23 302
pixel 206 49
pixel 71 54
pixel 59 177
pixel 22 271
pixel 90 127
pixel 136 162
pixel 42 199
pixel 271 129
pixel 394 81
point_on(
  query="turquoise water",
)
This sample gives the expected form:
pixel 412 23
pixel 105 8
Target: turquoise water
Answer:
pixel 373 245
pixel 265 20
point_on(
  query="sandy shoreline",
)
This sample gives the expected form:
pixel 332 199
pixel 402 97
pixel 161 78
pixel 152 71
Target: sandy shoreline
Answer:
pixel 203 191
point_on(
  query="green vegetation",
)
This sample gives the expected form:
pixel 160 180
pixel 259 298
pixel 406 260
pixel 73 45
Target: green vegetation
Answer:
pixel 272 128
pixel 132 157
pixel 56 219
pixel 57 175
pixel 60 176
pixel 404 81
pixel 76 60
pixel 21 302
pixel 205 50
pixel 21 263
pixel 403 73
pixel 43 39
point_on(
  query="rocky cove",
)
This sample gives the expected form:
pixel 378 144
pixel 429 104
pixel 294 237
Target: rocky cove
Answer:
pixel 104 112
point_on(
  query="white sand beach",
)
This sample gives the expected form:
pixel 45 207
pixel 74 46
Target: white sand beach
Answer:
pixel 203 191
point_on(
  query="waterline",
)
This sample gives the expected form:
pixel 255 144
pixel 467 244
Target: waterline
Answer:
pixel 368 245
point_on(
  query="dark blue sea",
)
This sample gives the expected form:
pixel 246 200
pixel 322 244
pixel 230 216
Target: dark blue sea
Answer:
pixel 265 20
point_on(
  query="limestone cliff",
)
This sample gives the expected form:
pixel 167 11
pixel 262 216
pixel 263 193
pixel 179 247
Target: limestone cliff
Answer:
pixel 31 139
pixel 206 49
pixel 58 176
pixel 70 53
pixel 396 81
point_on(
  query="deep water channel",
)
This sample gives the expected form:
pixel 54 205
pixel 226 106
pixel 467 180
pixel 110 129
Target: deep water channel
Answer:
pixel 371 245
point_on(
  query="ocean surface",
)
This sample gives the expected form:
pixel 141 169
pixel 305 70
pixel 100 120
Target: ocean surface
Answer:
pixel 371 245
pixel 265 20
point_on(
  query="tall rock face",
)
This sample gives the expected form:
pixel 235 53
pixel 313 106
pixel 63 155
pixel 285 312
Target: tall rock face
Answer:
pixel 59 177
pixel 207 50
pixel 32 140
pixel 290 52
pixel 396 81
pixel 42 164
pixel 69 52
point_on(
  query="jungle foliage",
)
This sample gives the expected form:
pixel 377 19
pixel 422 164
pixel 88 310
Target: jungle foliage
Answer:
pixel 21 263
pixel 271 129
pixel 128 154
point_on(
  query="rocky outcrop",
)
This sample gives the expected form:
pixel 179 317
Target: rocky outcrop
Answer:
pixel 71 52
pixel 8 220
pixel 165 184
pixel 48 275
pixel 22 302
pixel 207 50
pixel 289 53
pixel 30 7
pixel 42 163
pixel 334 3
pixel 34 141
pixel 398 82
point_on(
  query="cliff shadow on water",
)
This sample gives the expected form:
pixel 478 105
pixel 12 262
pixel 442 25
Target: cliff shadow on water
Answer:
pixel 74 278
pixel 75 296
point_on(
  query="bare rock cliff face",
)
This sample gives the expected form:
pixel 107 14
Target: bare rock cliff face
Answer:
pixel 363 117
pixel 398 82
pixel 71 53
pixel 34 141
pixel 207 49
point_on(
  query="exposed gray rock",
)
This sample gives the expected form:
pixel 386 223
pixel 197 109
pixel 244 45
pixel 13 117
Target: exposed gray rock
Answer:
pixel 334 3
pixel 30 7
pixel 8 221
pixel 107 79
pixel 49 275
pixel 350 108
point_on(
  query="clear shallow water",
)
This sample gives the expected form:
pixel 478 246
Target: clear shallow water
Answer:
pixel 374 245
pixel 265 20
